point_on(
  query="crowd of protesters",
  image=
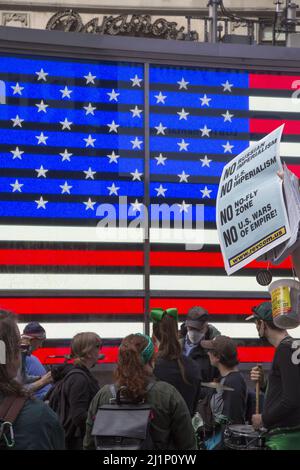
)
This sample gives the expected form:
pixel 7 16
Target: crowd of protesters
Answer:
pixel 170 372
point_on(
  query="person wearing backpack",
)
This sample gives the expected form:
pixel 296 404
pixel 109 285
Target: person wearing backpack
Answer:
pixel 171 365
pixel 72 395
pixel 35 426
pixel 170 425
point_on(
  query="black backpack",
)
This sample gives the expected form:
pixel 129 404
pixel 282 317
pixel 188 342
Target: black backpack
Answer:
pixel 123 425
pixel 55 397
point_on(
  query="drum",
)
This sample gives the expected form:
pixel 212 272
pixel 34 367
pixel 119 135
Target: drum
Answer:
pixel 243 437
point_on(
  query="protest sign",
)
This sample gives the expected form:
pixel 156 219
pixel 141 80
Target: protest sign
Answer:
pixel 251 214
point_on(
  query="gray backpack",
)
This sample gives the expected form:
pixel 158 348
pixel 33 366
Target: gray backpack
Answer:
pixel 123 425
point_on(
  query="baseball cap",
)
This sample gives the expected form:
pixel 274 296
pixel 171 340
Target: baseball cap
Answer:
pixel 222 345
pixel 262 311
pixel 196 316
pixel 34 330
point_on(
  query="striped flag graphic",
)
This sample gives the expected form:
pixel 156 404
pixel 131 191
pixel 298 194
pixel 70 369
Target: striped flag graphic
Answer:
pixel 72 139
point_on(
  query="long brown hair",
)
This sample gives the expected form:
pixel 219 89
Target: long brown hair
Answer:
pixel 10 337
pixel 166 331
pixel 130 372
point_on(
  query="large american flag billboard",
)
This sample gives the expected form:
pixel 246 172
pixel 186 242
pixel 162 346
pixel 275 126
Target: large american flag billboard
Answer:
pixel 72 139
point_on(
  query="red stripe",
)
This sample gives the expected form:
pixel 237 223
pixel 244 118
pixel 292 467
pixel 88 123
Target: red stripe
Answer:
pixel 273 82
pixel 264 126
pixel 246 354
pixel 201 260
pixel 256 354
pixel 213 306
pixel 71 258
pixel 119 258
pixel 65 306
pixel 295 169
pixel 48 306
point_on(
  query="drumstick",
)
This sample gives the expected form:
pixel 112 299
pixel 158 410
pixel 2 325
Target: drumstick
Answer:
pixel 257 393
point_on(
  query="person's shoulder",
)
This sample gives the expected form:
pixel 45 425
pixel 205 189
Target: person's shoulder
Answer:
pixel 38 411
pixel 76 375
pixel 213 331
pixel 235 379
pixel 286 343
pixel 37 427
pixel 33 360
pixel 285 347
pixel 106 389
pixel 102 397
pixel 163 389
pixel 105 392
pixel 165 396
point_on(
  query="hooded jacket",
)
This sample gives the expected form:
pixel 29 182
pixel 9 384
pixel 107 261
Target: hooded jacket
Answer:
pixel 70 398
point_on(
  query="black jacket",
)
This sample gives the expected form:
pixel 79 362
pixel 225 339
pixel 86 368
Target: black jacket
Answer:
pixel 168 371
pixel 282 399
pixel 207 372
pixel 71 398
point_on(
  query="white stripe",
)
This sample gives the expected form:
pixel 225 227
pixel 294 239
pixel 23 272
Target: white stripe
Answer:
pixel 237 330
pixel 287 149
pixel 70 282
pixel 69 234
pixel 194 239
pixel 93 234
pixel 104 330
pixel 129 281
pixel 244 330
pixel 206 283
pixel 269 103
pixel 120 330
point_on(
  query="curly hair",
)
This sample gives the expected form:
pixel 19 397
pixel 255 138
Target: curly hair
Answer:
pixel 130 372
pixel 11 338
pixel 166 331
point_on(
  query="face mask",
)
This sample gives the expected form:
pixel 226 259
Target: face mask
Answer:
pixel 195 336
pixel 261 331
pixel 262 336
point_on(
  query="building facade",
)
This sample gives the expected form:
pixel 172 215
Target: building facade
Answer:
pixel 169 19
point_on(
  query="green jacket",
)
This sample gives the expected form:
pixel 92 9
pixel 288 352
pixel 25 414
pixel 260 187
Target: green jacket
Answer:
pixel 171 427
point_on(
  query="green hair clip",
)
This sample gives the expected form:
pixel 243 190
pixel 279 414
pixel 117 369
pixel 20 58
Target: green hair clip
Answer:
pixel 147 353
pixel 157 314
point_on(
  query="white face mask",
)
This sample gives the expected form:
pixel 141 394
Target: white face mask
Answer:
pixel 195 336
